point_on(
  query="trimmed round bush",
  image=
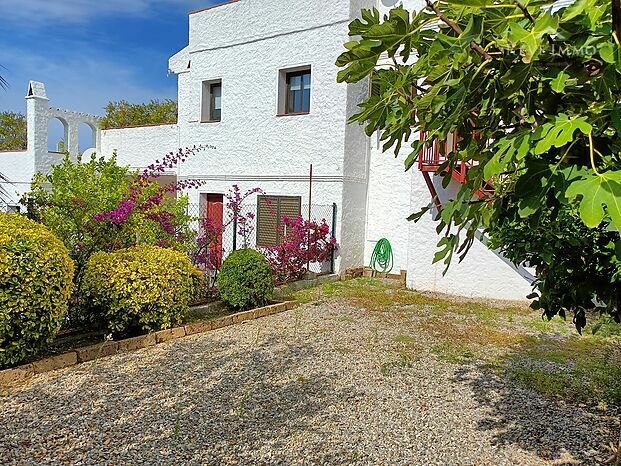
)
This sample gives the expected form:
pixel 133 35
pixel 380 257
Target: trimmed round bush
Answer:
pixel 36 281
pixel 245 280
pixel 142 288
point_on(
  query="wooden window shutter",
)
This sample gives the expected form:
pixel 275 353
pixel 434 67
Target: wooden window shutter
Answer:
pixel 267 226
pixel 270 227
pixel 289 206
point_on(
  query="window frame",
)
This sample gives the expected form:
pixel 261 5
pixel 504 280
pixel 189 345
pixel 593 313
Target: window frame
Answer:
pixel 207 100
pixel 301 74
pixel 212 101
pixel 283 89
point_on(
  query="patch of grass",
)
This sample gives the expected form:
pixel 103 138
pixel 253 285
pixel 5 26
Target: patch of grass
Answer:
pixel 381 295
pixel 374 336
pixel 605 327
pixel 586 369
pixel 298 314
pixel 351 320
pixel 588 382
pixel 305 296
pixel 469 333
pixel 345 351
pixel 405 339
pixel 556 325
pixel 453 352
pixel 403 359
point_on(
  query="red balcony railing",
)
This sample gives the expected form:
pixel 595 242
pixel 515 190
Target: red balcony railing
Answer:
pixel 432 158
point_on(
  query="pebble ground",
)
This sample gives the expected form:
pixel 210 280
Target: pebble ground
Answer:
pixel 325 384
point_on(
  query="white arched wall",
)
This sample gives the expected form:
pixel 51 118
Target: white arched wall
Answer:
pixel 39 114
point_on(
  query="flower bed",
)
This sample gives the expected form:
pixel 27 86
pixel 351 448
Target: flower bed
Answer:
pixel 93 352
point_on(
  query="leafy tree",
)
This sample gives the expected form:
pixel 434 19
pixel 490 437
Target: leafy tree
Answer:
pixel 122 113
pixel 12 131
pixel 534 93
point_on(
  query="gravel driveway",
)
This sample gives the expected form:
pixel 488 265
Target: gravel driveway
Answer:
pixel 327 383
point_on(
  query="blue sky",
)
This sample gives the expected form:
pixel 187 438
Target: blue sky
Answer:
pixel 89 52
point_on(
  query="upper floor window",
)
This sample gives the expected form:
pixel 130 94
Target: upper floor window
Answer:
pixel 295 91
pixel 298 92
pixel 211 101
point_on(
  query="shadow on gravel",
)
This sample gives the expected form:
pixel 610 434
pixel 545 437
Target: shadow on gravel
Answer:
pixel 554 430
pixel 198 400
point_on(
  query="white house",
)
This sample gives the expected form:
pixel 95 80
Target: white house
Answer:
pixel 258 81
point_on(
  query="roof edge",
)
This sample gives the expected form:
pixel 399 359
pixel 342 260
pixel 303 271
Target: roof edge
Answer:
pixel 213 6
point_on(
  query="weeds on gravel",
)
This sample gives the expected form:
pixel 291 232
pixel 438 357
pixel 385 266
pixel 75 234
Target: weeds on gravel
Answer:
pixel 556 325
pixel 381 295
pixel 404 359
pixel 511 340
pixel 586 369
pixel 298 314
pixel 404 354
pixel 241 409
pixel 99 351
pixel 454 353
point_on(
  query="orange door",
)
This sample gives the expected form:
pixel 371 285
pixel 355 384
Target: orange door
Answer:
pixel 215 210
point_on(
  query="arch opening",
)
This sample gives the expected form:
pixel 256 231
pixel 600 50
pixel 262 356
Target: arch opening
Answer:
pixel 87 138
pixel 57 135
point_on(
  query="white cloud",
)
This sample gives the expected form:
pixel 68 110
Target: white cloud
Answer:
pixel 80 81
pixel 55 12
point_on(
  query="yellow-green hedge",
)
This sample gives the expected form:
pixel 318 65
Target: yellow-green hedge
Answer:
pixel 36 281
pixel 144 288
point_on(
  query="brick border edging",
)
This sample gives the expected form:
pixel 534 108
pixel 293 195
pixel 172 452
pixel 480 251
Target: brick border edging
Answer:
pixel 19 374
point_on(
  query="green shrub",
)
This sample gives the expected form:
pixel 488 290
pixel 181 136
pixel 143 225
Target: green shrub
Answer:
pixel 246 280
pixel 36 276
pixel 144 288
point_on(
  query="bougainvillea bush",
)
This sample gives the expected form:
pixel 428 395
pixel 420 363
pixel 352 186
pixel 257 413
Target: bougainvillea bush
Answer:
pixel 35 285
pixel 304 242
pixel 238 215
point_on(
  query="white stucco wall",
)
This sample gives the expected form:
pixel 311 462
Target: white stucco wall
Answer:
pixel 388 201
pixel 246 21
pixel 246 44
pixel 18 167
pixel 481 274
pixel 140 146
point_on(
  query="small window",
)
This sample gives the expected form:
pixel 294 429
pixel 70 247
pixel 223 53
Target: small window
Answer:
pixel 295 91
pixel 270 212
pixel 211 110
pixel 298 92
pixel 216 102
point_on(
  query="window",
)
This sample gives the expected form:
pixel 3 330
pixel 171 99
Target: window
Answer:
pixel 215 113
pixel 298 92
pixel 211 110
pixel 270 211
pixel 294 91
